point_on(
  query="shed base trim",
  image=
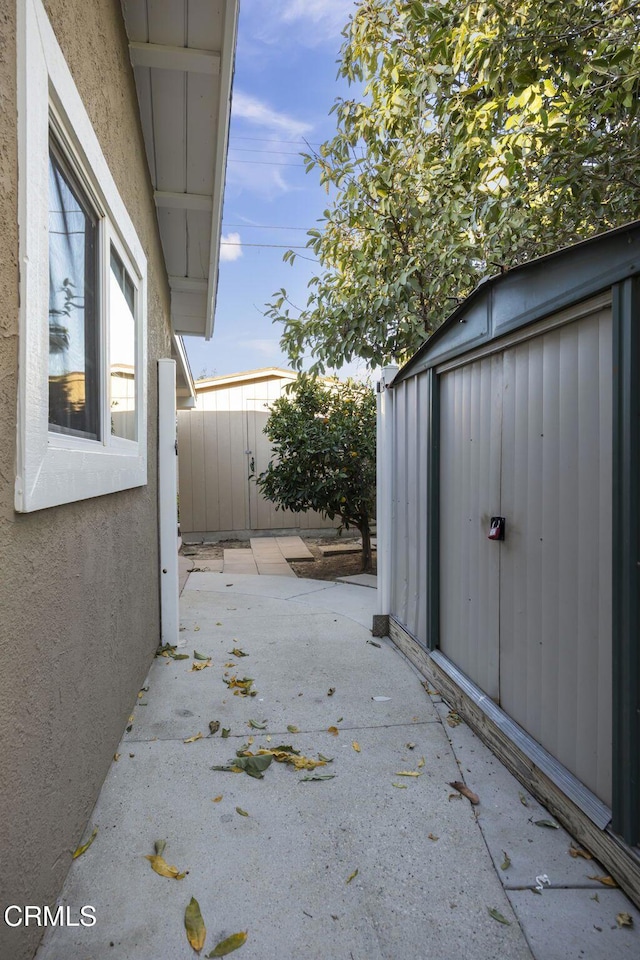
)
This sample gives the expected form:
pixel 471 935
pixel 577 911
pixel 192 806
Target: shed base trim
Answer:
pixel 575 807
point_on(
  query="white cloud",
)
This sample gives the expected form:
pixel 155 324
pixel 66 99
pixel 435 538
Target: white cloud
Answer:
pixel 329 17
pixel 230 247
pixel 260 114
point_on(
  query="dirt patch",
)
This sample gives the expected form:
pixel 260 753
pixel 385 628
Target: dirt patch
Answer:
pixel 207 556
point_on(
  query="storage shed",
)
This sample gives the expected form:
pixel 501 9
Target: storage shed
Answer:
pixel 221 443
pixel 510 562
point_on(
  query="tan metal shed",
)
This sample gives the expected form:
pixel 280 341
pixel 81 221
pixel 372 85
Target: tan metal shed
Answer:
pixel 524 408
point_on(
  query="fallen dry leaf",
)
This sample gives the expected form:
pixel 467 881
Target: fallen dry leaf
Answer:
pixel 234 942
pixel 161 867
pixel 523 799
pixel 408 773
pixel 453 718
pixel 352 876
pixel 243 813
pixel 333 730
pixel 292 729
pixel 331 691
pixel 465 791
pixel 85 846
pixel 432 837
pixel 194 925
pixel 237 652
pixel 498 916
pixel 579 852
pixel 506 863
pixel 546 823
pixel 198 736
pixel 399 786
pixel 116 756
pixel 159 846
pixel 420 763
pixel 356 746
pixel 624 919
pixel 214 726
pixel 218 798
pixel 605 881
pixel 200 666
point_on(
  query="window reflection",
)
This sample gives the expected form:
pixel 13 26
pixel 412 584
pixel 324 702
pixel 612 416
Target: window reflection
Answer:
pixel 73 335
pixel 122 350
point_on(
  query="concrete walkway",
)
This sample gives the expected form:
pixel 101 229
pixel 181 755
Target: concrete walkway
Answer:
pixel 369 865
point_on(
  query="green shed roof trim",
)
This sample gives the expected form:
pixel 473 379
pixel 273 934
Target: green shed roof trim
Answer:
pixel 530 292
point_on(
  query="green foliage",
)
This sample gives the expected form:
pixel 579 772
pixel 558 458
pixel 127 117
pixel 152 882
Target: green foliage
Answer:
pixel 324 441
pixel 485 133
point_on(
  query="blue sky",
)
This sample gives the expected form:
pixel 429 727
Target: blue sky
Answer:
pixel 285 84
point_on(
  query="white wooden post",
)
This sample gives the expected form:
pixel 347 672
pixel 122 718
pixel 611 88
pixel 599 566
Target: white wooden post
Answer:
pixel 168 501
pixel 384 494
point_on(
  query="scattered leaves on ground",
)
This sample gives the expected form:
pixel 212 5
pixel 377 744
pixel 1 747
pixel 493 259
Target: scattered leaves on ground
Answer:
pixel 465 791
pixel 453 718
pixel 85 846
pixel 225 732
pixel 159 846
pixel 234 942
pixel 421 762
pixel 352 876
pixel 241 688
pixel 317 776
pixel 331 691
pixel 197 736
pixel 218 798
pixel 161 867
pixel 253 766
pixel 116 756
pixel 200 656
pixel 408 773
pixel 256 725
pixel 180 656
pixel 194 925
pixel 333 730
pixel 546 823
pixel 410 746
pixel 243 813
pixel 292 728
pixel 624 919
pixel 356 746
pixel 400 786
pixel 214 726
pixel 498 916
pixel 374 644
pixel 605 881
pixel 237 652
pixel 523 799
pixel 506 863
pixel 432 837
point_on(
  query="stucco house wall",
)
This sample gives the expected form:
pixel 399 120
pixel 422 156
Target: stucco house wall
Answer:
pixel 79 582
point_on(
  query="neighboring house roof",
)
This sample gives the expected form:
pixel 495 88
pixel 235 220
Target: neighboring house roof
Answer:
pixel 245 376
pixel 529 292
pixel 182 54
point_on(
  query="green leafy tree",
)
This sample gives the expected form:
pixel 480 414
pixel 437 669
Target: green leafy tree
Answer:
pixel 484 133
pixel 324 443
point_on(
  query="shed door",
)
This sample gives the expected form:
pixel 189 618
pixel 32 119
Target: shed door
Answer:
pixel 529 619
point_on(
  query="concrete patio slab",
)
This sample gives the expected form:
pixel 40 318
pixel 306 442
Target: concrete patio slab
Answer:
pixel 574 924
pixel 294 548
pixel 361 580
pixel 286 872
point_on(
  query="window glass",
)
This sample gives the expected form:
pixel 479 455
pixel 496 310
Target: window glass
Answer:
pixel 122 350
pixel 73 323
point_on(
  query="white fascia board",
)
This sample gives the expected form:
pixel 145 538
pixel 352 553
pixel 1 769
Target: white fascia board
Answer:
pixel 183 371
pixel 222 142
pixel 166 57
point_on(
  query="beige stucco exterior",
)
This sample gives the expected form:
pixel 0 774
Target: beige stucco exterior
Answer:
pixel 79 594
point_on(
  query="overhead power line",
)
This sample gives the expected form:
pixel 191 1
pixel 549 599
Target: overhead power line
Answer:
pixel 267 163
pixel 263 226
pixel 280 246
pixel 272 140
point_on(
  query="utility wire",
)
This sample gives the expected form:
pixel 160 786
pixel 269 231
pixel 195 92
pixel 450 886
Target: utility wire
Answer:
pixel 277 140
pixel 267 163
pixel 281 246
pixel 258 226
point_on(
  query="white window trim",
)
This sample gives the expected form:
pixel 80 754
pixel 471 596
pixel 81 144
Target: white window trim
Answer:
pixel 54 468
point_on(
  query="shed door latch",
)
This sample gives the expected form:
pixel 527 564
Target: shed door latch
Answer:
pixel 497 528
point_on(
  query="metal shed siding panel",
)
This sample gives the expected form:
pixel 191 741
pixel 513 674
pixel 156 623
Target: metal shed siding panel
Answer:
pixel 555 668
pixel 409 508
pixel 470 450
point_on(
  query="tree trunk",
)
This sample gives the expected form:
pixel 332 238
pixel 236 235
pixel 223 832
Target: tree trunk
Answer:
pixel 367 559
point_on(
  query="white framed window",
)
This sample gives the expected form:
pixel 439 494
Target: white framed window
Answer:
pixel 82 396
